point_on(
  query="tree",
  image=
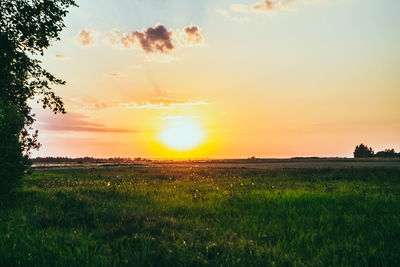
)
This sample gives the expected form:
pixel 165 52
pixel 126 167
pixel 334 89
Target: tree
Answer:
pixel 27 28
pixel 363 151
pixel 390 153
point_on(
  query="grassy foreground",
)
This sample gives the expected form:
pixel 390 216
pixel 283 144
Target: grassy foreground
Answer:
pixel 203 216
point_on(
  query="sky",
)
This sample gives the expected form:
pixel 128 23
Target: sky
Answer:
pixel 224 79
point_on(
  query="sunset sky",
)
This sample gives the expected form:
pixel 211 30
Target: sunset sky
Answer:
pixel 242 78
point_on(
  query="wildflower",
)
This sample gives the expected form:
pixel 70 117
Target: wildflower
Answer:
pixel 228 243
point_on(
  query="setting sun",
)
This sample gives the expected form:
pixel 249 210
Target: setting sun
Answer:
pixel 182 134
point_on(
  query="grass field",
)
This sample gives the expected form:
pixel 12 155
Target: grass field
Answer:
pixel 180 216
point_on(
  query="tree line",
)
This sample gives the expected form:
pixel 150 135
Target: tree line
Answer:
pixel 87 160
pixel 363 151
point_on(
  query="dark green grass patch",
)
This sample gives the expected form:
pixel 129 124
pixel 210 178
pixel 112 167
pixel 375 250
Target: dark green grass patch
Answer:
pixel 203 216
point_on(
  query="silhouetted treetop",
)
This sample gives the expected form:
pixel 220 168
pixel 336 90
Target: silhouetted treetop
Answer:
pixel 31 24
pixel 363 151
pixel 387 153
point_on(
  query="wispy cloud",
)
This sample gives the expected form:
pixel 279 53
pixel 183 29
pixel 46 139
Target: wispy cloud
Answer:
pixel 74 122
pixel 153 103
pixel 85 38
pixel 228 14
pixel 114 74
pixel 158 40
pixel 261 7
pixel 163 103
pixel 61 57
pixel 240 8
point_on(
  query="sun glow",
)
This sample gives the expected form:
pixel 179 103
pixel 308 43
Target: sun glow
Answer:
pixel 182 134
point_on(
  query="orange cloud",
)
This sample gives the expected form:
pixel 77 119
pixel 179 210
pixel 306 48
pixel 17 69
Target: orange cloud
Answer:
pixel 61 57
pixel 261 6
pixel 193 34
pixel 154 103
pixel 164 103
pixel 114 74
pixel 266 5
pixel 270 5
pixel 85 38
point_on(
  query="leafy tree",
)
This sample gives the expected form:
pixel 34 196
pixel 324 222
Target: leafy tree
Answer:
pixel 390 153
pixel 27 28
pixel 363 151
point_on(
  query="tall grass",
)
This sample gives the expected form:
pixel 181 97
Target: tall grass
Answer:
pixel 203 216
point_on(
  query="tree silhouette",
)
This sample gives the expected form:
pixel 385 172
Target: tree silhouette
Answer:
pixel 389 153
pixel 27 27
pixel 363 151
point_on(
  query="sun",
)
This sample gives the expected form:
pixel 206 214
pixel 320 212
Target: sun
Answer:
pixel 182 134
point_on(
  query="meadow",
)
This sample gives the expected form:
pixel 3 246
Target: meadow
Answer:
pixel 187 216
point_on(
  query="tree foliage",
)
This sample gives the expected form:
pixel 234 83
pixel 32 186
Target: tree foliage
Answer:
pixel 27 28
pixel 387 153
pixel 363 151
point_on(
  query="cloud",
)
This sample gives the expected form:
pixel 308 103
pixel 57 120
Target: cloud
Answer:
pixel 240 8
pixel 266 5
pixel 193 34
pixel 227 15
pixel 163 103
pixel 224 13
pixel 154 103
pixel 263 6
pixel 157 40
pixel 74 122
pixel 271 5
pixel 85 38
pixel 154 40
pixel 114 74
pixel 60 57
pixel 160 102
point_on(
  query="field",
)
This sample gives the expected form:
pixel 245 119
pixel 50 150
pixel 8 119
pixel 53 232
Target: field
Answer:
pixel 195 216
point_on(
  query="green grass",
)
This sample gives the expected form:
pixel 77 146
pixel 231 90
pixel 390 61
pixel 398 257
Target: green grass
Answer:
pixel 203 216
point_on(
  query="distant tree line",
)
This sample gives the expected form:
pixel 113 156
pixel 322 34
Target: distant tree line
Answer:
pixel 363 151
pixel 86 160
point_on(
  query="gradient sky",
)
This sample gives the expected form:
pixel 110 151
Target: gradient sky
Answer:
pixel 298 78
